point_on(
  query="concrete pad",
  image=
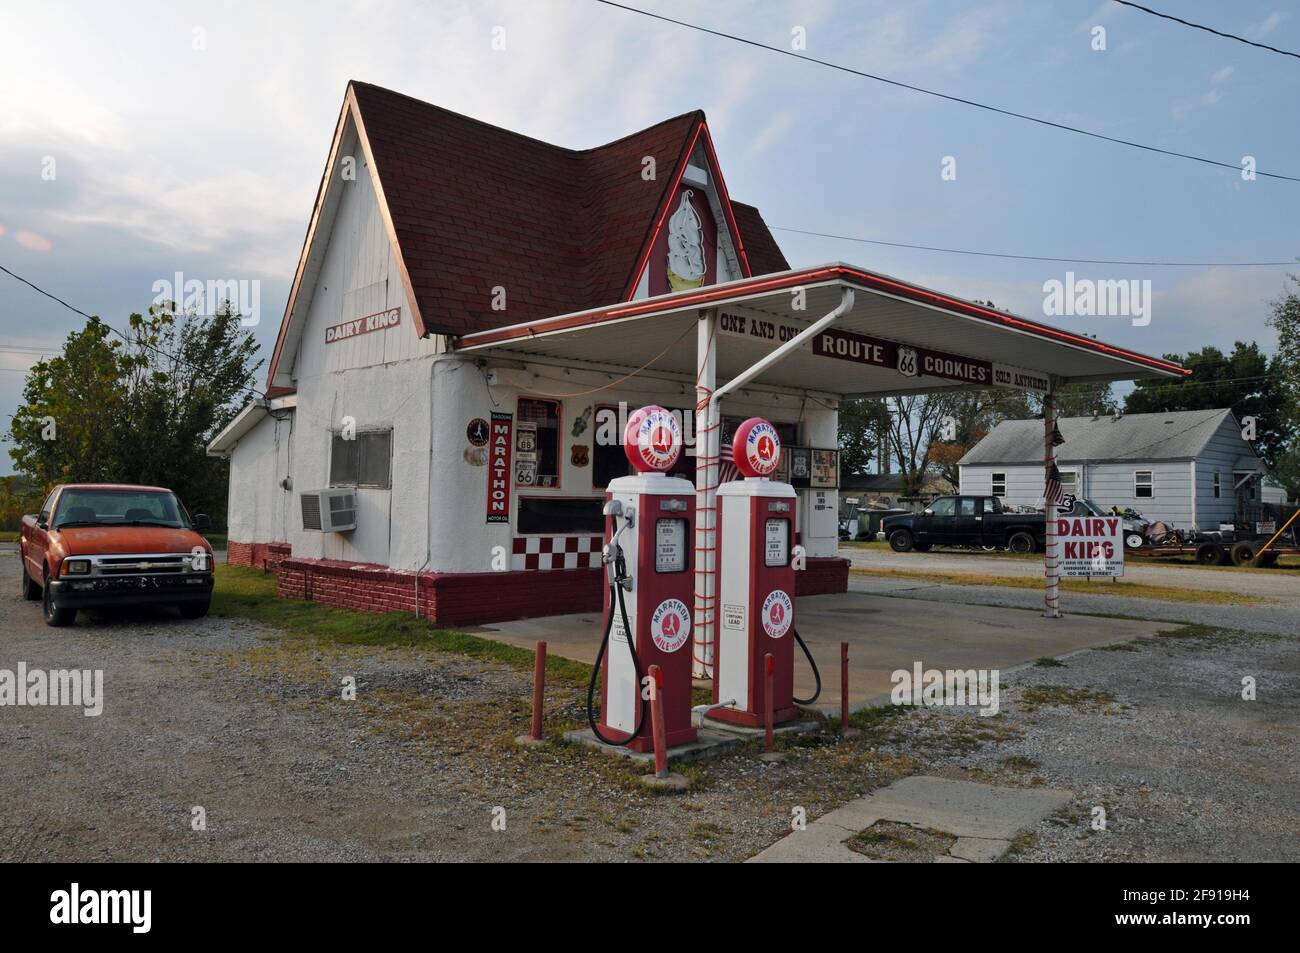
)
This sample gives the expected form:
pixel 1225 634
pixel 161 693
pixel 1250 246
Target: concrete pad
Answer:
pixel 672 781
pixel 815 844
pixel 979 850
pixel 962 808
pixel 708 744
pixel 884 634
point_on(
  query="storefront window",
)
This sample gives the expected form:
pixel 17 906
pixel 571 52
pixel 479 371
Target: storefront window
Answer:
pixel 537 443
pixel 362 459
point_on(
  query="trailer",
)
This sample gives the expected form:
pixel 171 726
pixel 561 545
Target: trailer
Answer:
pixel 1257 551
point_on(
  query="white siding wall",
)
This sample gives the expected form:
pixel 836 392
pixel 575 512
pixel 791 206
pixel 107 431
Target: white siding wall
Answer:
pixel 1024 483
pixel 259 510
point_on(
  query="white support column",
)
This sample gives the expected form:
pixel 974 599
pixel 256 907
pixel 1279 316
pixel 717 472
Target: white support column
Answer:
pixel 707 444
pixel 1051 556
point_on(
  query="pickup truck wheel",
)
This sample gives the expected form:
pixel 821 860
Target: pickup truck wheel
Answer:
pixel 900 541
pixel 54 616
pixel 1021 543
pixel 31 591
pixel 194 610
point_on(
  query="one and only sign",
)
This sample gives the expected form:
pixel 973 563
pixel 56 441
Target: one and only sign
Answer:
pixel 380 321
pixel 1091 545
pixel 876 352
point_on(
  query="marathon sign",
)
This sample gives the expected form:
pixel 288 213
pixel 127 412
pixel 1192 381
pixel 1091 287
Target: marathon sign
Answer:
pixel 380 321
pixel 1091 546
pixel 500 442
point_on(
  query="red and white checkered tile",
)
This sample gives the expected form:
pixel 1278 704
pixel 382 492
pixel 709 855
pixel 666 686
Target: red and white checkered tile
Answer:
pixel 555 552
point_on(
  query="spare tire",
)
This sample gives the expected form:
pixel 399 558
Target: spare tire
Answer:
pixel 1243 553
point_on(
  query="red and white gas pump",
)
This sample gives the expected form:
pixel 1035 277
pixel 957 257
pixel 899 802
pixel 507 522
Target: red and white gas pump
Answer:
pixel 756 586
pixel 649 528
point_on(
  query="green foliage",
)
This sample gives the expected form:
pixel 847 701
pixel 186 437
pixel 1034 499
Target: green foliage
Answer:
pixel 861 423
pixel 141 410
pixel 1244 381
pixel 17 499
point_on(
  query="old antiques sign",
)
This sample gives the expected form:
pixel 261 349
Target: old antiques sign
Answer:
pixel 1091 546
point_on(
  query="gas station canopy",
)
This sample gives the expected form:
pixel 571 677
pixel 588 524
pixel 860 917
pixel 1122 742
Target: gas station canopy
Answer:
pixel 895 338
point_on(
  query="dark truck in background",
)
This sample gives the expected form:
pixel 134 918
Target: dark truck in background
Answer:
pixel 965 521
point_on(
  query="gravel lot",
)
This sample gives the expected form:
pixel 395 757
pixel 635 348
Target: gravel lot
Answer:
pixel 232 717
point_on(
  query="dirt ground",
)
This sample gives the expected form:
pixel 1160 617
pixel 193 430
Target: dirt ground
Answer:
pixel 251 727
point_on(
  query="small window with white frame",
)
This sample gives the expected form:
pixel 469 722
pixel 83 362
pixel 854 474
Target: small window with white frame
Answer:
pixel 1070 482
pixel 999 487
pixel 1143 485
pixel 1218 489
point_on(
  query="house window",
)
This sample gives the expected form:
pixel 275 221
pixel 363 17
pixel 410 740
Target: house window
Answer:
pixel 1216 484
pixel 1143 487
pixel 1070 482
pixel 363 459
pixel 999 484
pixel 537 443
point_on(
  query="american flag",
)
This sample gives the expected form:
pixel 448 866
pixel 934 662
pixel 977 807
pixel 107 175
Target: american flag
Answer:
pixel 1054 494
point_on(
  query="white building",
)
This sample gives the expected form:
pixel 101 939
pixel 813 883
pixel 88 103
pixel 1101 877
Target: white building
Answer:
pixel 471 310
pixel 1189 468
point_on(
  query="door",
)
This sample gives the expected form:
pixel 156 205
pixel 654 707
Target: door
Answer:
pixel 935 524
pixel 39 542
pixel 966 522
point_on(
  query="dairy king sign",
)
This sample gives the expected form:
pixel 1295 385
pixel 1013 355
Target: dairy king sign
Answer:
pixel 381 321
pixel 1091 546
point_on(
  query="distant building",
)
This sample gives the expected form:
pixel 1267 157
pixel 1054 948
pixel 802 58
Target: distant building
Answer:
pixel 1188 468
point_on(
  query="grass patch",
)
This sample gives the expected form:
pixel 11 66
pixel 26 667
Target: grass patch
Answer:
pixel 1020 844
pixel 1133 590
pixel 252 594
pixel 901 843
pixel 1082 699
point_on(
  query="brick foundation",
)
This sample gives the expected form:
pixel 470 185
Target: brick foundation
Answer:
pixel 445 598
pixel 823 575
pixel 477 598
pixel 264 556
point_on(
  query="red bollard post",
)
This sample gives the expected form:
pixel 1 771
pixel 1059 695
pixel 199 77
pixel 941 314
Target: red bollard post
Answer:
pixel 769 675
pixel 539 690
pixel 844 685
pixel 657 722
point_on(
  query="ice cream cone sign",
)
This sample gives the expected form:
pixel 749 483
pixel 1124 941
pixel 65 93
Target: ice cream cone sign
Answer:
pixel 686 254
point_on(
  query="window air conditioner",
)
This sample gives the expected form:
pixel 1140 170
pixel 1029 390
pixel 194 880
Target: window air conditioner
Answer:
pixel 329 511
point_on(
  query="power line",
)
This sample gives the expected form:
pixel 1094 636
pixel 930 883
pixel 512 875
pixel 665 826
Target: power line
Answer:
pixel 1083 261
pixel 256 395
pixel 1200 26
pixel 954 99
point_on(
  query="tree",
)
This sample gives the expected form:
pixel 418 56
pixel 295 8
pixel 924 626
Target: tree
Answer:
pixel 141 410
pixel 861 423
pixel 1243 381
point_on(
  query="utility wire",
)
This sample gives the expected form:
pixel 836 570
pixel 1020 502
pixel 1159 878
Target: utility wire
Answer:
pixel 1200 26
pixel 1082 261
pixel 1235 167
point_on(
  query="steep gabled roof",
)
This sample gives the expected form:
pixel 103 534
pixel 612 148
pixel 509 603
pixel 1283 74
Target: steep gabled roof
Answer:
pixel 474 207
pixel 1178 435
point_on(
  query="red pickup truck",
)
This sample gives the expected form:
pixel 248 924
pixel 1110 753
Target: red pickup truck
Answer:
pixel 99 545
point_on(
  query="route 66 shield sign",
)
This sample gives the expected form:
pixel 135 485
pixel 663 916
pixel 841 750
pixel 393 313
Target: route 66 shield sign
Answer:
pixel 907 362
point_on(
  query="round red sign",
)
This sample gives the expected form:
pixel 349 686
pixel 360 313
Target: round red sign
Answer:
pixel 778 613
pixel 756 448
pixel 653 439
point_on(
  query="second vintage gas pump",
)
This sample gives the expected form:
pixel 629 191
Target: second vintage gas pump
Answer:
pixel 649 529
pixel 756 585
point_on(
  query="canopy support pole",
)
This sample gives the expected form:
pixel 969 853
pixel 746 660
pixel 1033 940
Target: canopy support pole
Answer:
pixel 707 427
pixel 1051 560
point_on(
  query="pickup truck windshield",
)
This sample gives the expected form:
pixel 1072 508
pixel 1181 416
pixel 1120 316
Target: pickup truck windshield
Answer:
pixel 119 508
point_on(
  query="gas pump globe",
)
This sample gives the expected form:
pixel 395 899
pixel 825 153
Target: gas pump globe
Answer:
pixel 649 528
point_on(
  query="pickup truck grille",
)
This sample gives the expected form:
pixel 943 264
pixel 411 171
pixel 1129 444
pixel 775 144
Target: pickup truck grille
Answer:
pixel 159 564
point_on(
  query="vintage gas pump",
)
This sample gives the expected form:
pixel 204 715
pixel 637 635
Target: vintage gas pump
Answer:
pixel 649 529
pixel 756 585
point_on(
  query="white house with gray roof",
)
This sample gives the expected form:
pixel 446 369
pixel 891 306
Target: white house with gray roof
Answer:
pixel 1188 468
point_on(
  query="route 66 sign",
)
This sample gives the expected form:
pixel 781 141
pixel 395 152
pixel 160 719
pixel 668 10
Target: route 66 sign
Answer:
pixel 907 362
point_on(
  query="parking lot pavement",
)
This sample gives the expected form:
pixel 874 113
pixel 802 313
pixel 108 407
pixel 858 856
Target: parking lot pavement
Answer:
pixel 1282 586
pixel 1280 619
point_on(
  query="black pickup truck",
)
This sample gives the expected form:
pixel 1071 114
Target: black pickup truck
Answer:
pixel 965 521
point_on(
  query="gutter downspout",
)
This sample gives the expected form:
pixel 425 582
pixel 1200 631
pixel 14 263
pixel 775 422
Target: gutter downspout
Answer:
pixel 706 640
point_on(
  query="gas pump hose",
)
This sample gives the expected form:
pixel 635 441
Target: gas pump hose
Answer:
pixel 616 597
pixel 816 674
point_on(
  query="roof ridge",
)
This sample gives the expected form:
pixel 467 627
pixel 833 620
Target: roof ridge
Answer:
pixel 698 113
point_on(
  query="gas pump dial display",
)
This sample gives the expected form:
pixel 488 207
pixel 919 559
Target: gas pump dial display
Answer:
pixel 776 551
pixel 670 545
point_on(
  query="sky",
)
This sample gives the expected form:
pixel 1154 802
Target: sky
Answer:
pixel 143 140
